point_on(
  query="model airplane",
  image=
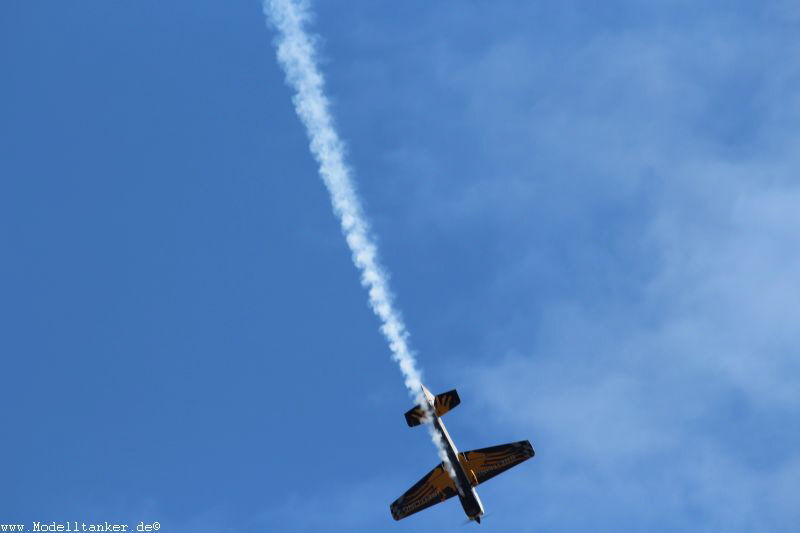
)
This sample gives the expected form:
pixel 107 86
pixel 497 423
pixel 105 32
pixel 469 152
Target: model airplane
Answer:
pixel 469 468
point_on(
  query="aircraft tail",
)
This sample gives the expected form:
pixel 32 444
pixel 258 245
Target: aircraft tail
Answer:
pixel 442 403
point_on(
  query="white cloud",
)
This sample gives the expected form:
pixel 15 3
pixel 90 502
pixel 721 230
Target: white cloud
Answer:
pixel 662 388
pixel 632 191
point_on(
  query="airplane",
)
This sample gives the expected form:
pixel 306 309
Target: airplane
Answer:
pixel 469 468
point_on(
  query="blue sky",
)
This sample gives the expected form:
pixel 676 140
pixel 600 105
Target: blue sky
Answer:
pixel 589 213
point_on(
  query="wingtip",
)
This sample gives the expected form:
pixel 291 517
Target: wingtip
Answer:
pixel 529 448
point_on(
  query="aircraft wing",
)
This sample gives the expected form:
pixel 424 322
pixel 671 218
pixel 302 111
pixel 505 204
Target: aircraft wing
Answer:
pixel 488 462
pixel 434 488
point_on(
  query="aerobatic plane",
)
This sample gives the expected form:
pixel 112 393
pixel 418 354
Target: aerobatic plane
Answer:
pixel 469 468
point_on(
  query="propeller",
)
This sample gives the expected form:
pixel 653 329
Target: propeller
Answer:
pixel 474 520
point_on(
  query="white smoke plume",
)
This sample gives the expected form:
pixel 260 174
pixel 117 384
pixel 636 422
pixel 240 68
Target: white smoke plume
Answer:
pixel 296 54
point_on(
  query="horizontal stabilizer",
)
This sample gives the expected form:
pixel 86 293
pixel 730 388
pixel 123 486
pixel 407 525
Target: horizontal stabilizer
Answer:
pixel 443 403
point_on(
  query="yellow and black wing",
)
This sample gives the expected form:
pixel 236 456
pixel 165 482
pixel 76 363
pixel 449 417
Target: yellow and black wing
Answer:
pixel 488 462
pixel 435 487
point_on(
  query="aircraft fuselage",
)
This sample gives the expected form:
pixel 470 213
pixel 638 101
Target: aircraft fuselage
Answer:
pixel 466 492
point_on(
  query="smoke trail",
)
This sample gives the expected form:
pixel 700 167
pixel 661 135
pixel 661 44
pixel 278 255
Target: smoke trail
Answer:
pixel 296 55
